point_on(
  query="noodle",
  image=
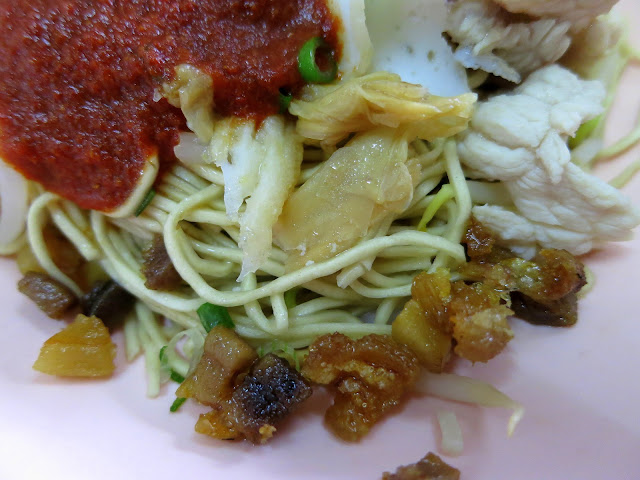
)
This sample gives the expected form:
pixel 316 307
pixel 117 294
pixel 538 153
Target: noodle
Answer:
pixel 356 292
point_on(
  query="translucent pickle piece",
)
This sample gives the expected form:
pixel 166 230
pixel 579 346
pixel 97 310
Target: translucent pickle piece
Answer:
pixel 330 113
pixel 353 192
pixel 83 349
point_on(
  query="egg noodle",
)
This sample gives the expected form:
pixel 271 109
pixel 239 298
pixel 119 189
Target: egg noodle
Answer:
pixel 356 292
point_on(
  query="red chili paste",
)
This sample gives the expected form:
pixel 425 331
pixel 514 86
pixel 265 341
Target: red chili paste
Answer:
pixel 77 80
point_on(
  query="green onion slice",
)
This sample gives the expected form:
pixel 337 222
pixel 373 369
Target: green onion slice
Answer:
pixel 308 66
pixel 145 202
pixel 585 131
pixel 284 100
pixel 177 404
pixel 214 315
pixel 176 377
pixel 162 356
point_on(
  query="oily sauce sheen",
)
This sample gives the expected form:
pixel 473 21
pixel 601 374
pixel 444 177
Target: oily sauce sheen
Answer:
pixel 77 80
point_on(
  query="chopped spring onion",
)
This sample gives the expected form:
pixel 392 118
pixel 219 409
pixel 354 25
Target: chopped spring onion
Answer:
pixel 284 100
pixel 445 194
pixel 585 131
pixel 145 202
pixel 177 404
pixel 308 66
pixel 162 356
pixel 214 315
pixel 164 363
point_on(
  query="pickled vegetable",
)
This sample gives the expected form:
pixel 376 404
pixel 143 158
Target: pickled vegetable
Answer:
pixel 83 349
pixel 475 315
pixel 413 328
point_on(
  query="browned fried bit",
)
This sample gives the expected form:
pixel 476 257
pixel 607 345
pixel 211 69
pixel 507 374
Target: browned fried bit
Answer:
pixel 225 357
pixel 432 291
pixel 478 239
pixel 65 255
pixel 423 335
pixel 217 424
pixel 431 467
pixel 560 313
pixel 249 396
pixel 51 296
pixel 269 393
pixel 369 377
pixel 543 290
pixel 553 298
pixel 475 316
pixel 479 318
pixel 109 302
pixel 561 274
pixel 158 268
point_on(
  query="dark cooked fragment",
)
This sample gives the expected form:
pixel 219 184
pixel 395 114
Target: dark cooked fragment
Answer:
pixel 65 255
pixel 431 467
pixel 270 392
pixel 248 396
pixel 475 315
pixel 158 268
pixel 108 301
pixel 369 377
pixel 415 329
pixel 432 291
pixel 552 299
pixel 226 357
pixel 479 318
pixel 51 296
pixel 478 239
pixel 561 274
pixel 559 313
pixel 543 290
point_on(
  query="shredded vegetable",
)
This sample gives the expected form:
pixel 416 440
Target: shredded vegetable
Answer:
pixel 469 390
